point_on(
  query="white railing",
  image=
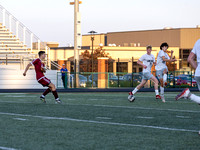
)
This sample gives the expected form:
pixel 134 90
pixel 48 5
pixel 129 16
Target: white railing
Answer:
pixel 22 32
pixel 57 66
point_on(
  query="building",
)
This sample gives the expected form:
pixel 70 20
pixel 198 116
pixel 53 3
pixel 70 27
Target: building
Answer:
pixel 125 46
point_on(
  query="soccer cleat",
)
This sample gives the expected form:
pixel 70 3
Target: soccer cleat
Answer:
pixel 158 97
pixel 131 97
pixel 130 93
pixel 163 99
pixel 42 99
pixel 58 101
pixel 184 94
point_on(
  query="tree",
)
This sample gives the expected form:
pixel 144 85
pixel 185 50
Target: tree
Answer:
pixel 86 62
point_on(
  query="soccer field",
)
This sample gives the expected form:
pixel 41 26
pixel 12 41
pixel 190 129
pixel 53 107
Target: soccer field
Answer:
pixel 98 121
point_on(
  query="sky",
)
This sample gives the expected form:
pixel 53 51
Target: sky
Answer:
pixel 52 20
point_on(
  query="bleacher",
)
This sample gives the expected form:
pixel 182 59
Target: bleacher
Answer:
pixel 18 47
pixel 9 42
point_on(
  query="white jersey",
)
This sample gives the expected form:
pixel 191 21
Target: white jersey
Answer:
pixel 148 61
pixel 160 63
pixel 196 51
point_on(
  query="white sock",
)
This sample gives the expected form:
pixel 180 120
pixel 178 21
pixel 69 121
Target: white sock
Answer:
pixel 195 98
pixel 42 96
pixel 165 77
pixel 57 99
pixel 134 91
pixel 156 91
pixel 162 90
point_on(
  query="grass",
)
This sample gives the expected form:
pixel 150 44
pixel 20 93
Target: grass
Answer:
pixel 98 121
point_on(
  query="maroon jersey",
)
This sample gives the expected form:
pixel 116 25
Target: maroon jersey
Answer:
pixel 38 68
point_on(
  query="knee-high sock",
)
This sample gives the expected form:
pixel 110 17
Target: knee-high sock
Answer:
pixel 46 92
pixel 162 91
pixel 156 91
pixel 195 98
pixel 165 77
pixel 55 94
pixel 134 91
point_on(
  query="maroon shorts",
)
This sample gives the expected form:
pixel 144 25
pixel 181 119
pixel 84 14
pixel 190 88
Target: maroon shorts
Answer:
pixel 44 81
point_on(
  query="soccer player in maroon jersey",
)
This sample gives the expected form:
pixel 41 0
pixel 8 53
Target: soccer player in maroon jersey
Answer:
pixel 44 81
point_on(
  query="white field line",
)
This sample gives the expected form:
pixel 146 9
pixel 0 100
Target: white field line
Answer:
pixel 6 148
pixel 96 99
pixel 99 122
pixel 109 106
pixel 185 117
pixel 106 118
pixel 146 108
pixel 182 102
pixel 141 117
pixel 70 99
pixel 18 96
pixel 17 102
pixel 21 119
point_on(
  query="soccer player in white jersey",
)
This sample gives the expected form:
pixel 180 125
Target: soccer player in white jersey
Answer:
pixel 195 53
pixel 161 67
pixel 146 61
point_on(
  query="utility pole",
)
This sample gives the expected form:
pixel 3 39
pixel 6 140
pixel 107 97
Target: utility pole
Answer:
pixel 77 39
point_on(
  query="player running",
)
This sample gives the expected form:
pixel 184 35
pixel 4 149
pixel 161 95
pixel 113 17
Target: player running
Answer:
pixel 146 61
pixel 195 53
pixel 161 67
pixel 40 70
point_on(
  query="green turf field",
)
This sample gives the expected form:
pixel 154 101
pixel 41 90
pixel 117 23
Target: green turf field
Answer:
pixel 98 121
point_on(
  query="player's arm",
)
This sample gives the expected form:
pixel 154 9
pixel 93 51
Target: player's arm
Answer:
pixel 43 68
pixel 172 52
pixel 26 69
pixel 191 60
pixel 141 64
pixel 154 61
pixel 168 60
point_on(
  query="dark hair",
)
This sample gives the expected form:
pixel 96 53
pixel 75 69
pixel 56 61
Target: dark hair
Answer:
pixel 164 44
pixel 41 52
pixel 149 46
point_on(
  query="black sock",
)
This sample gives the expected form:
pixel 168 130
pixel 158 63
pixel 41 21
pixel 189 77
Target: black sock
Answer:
pixel 55 94
pixel 46 92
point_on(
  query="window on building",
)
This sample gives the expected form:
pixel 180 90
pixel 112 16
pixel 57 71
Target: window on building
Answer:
pixel 122 67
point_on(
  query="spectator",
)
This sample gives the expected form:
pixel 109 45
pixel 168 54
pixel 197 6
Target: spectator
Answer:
pixel 64 74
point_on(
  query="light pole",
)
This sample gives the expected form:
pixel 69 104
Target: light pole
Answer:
pixel 77 38
pixel 92 39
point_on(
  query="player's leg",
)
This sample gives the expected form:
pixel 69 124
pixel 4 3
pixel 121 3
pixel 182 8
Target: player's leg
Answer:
pixel 187 94
pixel 63 79
pixel 53 89
pixel 155 81
pixel 131 96
pixel 159 74
pixel 42 97
pixel 165 77
pixel 139 86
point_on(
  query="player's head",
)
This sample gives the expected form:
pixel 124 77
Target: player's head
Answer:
pixel 64 66
pixel 164 47
pixel 42 54
pixel 149 49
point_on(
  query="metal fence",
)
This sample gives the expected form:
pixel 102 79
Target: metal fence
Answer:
pixel 180 79
pixel 176 79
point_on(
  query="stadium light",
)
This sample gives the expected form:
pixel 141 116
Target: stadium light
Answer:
pixel 92 39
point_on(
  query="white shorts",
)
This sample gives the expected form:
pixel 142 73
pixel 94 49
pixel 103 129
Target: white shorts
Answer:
pixel 159 73
pixel 147 76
